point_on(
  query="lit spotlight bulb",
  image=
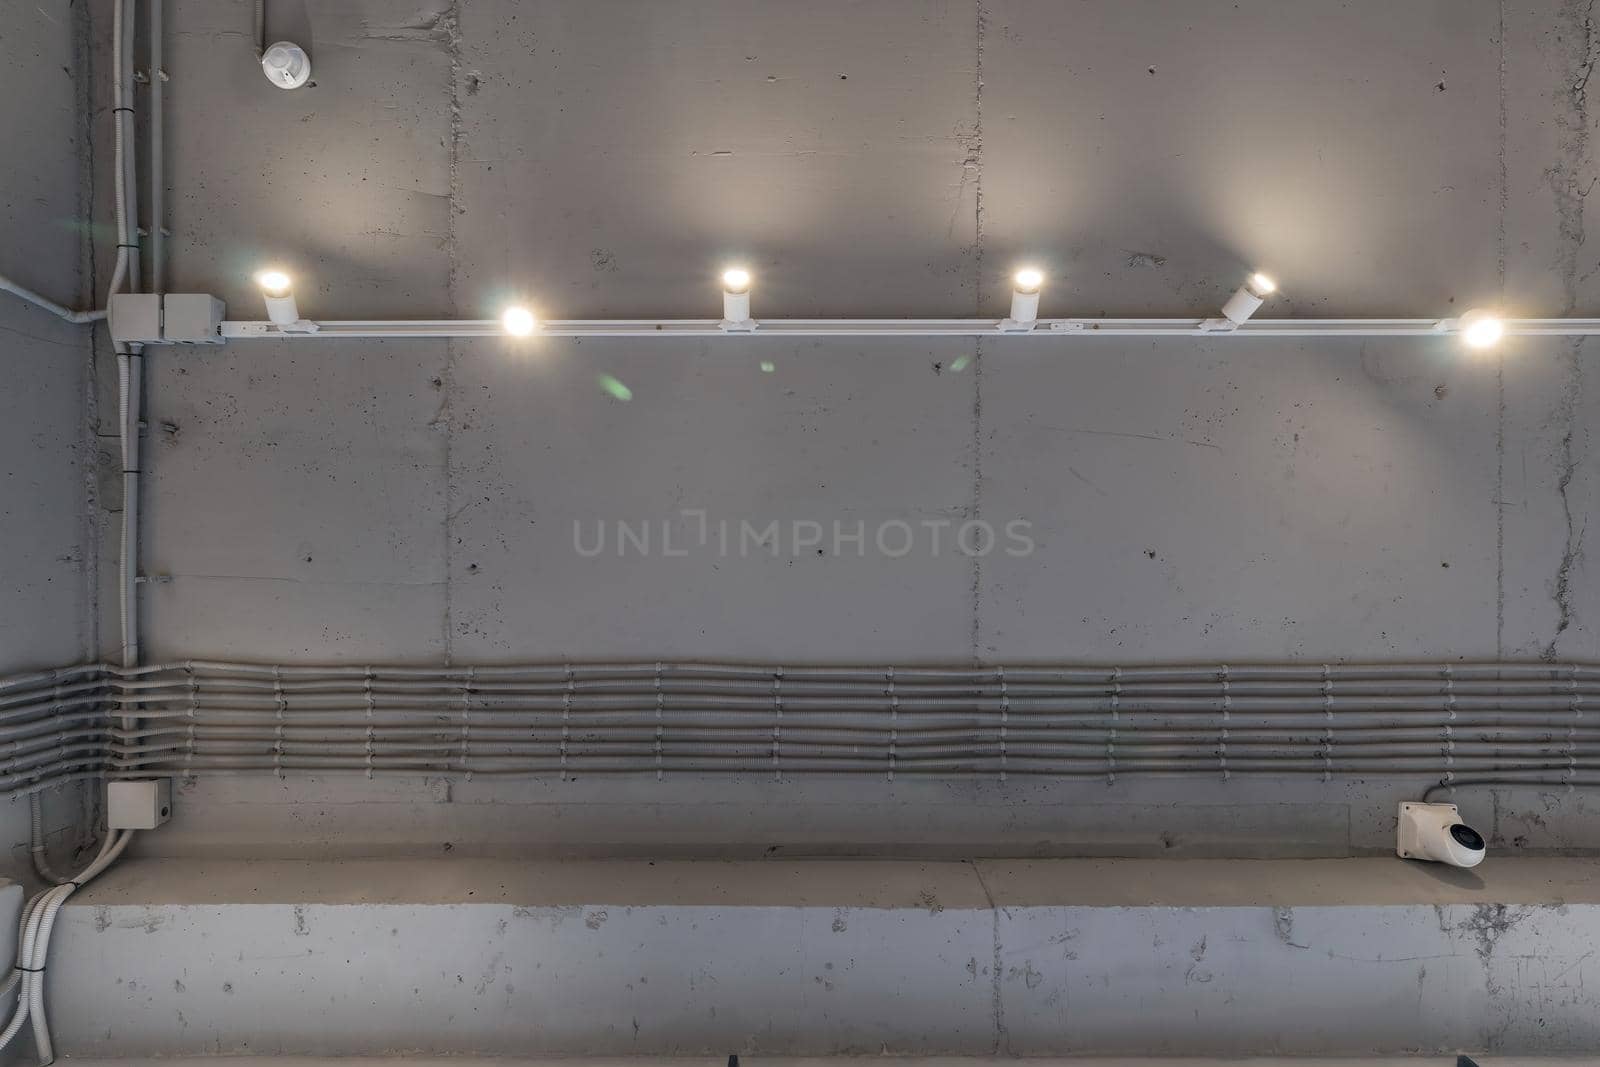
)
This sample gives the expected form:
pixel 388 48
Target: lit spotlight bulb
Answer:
pixel 1248 298
pixel 277 289
pixel 735 297
pixel 518 321
pixel 1025 286
pixel 1479 328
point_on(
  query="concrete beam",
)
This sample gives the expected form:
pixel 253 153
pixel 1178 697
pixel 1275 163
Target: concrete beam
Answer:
pixel 829 958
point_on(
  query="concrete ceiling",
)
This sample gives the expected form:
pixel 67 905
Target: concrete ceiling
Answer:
pixel 893 158
pixel 1196 501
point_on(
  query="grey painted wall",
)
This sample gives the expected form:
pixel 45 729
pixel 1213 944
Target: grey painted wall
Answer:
pixel 47 534
pixel 1188 501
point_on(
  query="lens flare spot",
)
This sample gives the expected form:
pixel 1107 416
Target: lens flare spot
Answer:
pixel 614 388
pixel 959 364
pixel 767 366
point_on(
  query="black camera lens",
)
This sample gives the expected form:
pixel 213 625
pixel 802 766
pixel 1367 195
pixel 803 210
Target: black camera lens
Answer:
pixel 1467 837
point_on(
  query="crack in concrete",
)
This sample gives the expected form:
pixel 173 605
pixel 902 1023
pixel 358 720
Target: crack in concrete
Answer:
pixel 1486 924
pixel 1570 189
pixel 1566 184
pixel 1580 88
pixel 1572 551
pixel 440 28
pixel 1002 1037
pixel 1283 927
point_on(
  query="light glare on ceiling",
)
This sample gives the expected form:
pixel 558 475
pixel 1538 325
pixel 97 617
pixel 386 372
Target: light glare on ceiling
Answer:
pixel 274 283
pixel 1481 329
pixel 518 321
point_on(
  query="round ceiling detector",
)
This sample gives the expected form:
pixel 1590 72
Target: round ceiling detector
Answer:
pixel 286 65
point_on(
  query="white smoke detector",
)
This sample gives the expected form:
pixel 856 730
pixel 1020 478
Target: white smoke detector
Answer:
pixel 286 65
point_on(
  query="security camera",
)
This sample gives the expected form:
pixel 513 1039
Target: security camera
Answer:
pixel 1435 832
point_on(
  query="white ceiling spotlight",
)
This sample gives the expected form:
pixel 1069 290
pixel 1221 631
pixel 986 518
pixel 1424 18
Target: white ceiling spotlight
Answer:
pixel 286 65
pixel 1245 301
pixel 1025 286
pixel 519 321
pixel 736 301
pixel 277 290
pixel 1477 328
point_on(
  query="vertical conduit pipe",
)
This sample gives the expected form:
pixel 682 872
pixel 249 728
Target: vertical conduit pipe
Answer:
pixel 130 361
pixel 130 153
pixel 158 187
pixel 130 508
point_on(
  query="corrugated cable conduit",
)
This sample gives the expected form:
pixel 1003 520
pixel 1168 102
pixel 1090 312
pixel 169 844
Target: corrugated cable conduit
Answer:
pixel 197 717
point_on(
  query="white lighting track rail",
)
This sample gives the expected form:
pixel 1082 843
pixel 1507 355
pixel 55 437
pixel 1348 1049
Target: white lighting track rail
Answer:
pixel 1191 328
pixel 198 318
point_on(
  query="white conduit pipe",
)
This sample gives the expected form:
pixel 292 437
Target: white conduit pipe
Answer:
pixel 119 130
pixel 124 273
pixel 1486 720
pixel 80 317
pixel 36 840
pixel 1093 675
pixel 128 159
pixel 130 362
pixel 811 328
pixel 130 386
pixel 158 177
pixel 33 946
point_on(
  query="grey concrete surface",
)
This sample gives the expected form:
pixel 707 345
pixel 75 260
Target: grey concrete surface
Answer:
pixel 416 502
pixel 331 817
pixel 863 883
pixel 48 532
pixel 1328 500
pixel 803 1061
pixel 1319 501
pixel 1167 958
pixel 45 533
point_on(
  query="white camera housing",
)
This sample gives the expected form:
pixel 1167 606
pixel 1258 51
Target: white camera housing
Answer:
pixel 1436 833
